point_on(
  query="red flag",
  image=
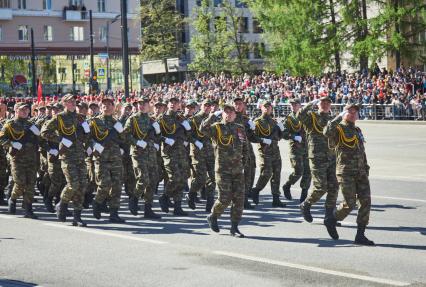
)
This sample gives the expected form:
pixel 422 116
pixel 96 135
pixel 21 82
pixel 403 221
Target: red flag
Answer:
pixel 39 92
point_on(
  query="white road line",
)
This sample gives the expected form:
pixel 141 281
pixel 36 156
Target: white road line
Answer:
pixel 106 233
pixel 399 198
pixel 312 269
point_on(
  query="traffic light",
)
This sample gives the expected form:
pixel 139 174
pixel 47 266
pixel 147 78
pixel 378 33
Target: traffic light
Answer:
pixel 94 82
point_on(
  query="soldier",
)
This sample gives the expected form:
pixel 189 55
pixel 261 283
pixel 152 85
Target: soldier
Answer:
pixel 143 133
pixel 4 176
pixel 322 162
pixel 128 173
pixel 71 132
pixel 352 168
pixel 202 167
pixel 90 166
pixel 20 137
pixel 228 139
pixel 159 109
pixel 269 132
pixel 107 134
pixel 295 134
pixel 173 131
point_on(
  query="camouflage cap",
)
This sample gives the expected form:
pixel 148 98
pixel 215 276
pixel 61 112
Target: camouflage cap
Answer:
pixel 159 103
pixel 265 103
pixel 236 99
pixel 127 105
pixel 173 99
pixel 356 106
pixel 108 99
pixel 326 98
pixel 93 104
pixel 68 97
pixel 143 100
pixel 58 106
pixel 21 105
pixel 295 101
pixel 83 105
pixel 228 106
pixel 191 103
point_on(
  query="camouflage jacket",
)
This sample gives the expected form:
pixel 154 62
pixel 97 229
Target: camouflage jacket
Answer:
pixel 294 127
pixel 139 127
pixel 195 122
pixel 171 127
pixel 266 127
pixel 348 142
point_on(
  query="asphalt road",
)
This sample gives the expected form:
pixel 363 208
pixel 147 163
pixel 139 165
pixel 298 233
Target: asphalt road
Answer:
pixel 280 248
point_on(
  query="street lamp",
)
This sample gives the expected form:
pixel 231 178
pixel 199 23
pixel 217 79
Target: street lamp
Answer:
pixel 109 22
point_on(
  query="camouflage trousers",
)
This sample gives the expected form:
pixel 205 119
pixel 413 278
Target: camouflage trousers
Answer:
pixel 176 168
pixel 324 180
pixel 129 179
pixel 203 173
pixel 56 176
pixel 145 169
pixel 249 172
pixel 24 175
pixel 75 173
pixel 4 176
pixel 231 190
pixel 355 187
pixel 109 176
pixel 301 169
pixel 270 170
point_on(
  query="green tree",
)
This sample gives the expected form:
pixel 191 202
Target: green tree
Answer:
pixel 161 27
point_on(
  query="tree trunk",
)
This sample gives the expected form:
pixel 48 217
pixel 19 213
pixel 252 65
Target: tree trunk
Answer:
pixel 336 45
pixel 364 32
pixel 166 69
pixel 397 30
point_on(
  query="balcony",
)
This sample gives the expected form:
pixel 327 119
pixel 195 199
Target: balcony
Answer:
pixel 6 14
pixel 75 15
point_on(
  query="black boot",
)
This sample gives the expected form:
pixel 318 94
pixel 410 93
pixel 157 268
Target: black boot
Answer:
pixel 286 190
pixel 149 213
pixel 88 198
pixel 190 199
pixel 178 209
pixel 360 237
pixel 61 211
pixel 305 208
pixel 104 207
pixel 133 205
pixel 235 231
pixel 2 200
pixel 330 222
pixel 212 220
pixel 209 203
pixel 96 209
pixel 255 195
pixel 303 195
pixel 48 203
pixel 164 203
pixel 247 204
pixel 197 199
pixel 276 202
pixel 77 221
pixel 29 213
pixel 11 206
pixel 203 193
pixel 113 216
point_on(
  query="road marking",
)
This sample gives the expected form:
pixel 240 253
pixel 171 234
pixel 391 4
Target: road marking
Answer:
pixel 4 216
pixel 106 233
pixel 398 198
pixel 312 269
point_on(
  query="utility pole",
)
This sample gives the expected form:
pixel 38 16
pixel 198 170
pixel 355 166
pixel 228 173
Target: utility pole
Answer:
pixel 92 65
pixel 33 67
pixel 73 65
pixel 125 47
pixel 109 86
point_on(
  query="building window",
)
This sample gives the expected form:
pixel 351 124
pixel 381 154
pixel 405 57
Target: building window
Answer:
pixel 103 34
pixel 77 33
pixel 48 33
pixel 78 3
pixel 47 4
pixel 243 24
pixel 101 6
pixel 257 29
pixel 217 3
pixel 22 4
pixel 4 3
pixel 23 33
pixel 1 33
pixel 258 50
pixel 240 4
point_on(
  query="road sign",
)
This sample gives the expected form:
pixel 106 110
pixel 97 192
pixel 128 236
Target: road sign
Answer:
pixel 101 73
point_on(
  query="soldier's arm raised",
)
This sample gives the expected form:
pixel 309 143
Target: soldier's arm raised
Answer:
pixel 330 130
pixel 4 138
pixel 206 126
pixel 304 114
pixel 49 131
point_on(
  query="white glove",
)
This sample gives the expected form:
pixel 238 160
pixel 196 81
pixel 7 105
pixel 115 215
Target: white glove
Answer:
pixel 141 143
pixel 217 113
pixel 17 145
pixel 185 143
pixel 169 141
pixel 251 125
pixel 315 102
pixel 66 142
pixel 35 130
pixel 186 125
pixel 121 151
pixel 98 147
pixel 89 151
pixel 156 127
pixel 266 141
pixel 298 139
pixel 85 127
pixel 157 147
pixel 54 152
pixel 118 127
pixel 199 145
pixel 281 126
pixel 343 113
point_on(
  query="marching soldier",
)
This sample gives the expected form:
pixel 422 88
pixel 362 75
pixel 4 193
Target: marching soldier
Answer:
pixel 129 175
pixel 228 139
pixel 269 132
pixel 322 161
pixel 20 137
pixel 352 168
pixel 295 134
pixel 71 132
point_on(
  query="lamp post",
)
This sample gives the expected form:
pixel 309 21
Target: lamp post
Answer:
pixel 109 22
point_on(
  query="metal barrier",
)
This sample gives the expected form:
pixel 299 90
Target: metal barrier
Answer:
pixel 367 112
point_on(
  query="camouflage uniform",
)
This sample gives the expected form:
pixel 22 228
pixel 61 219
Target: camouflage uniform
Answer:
pixel 4 176
pixel 128 173
pixel 43 180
